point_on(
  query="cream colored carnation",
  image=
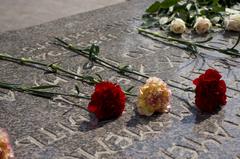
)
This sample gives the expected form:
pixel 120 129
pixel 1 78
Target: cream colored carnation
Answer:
pixel 202 25
pixel 154 96
pixel 5 148
pixel 233 22
pixel 177 26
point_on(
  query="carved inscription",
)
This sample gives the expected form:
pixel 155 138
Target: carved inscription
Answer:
pixel 121 135
pixel 9 97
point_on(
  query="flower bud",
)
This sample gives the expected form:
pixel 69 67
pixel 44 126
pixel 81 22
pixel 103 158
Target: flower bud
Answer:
pixel 177 26
pixel 202 25
pixel 233 22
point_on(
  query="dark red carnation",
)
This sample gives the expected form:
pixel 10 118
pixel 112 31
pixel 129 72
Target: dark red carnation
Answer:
pixel 210 91
pixel 108 101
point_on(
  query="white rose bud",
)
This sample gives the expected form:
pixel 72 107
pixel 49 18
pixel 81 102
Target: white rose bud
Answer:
pixel 202 25
pixel 233 22
pixel 177 26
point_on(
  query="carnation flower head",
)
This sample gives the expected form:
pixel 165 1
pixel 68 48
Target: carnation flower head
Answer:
pixel 6 151
pixel 202 25
pixel 107 101
pixel 154 96
pixel 177 26
pixel 233 22
pixel 210 91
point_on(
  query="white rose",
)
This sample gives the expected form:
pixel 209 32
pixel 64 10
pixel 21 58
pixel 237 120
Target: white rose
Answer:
pixel 177 26
pixel 233 22
pixel 202 25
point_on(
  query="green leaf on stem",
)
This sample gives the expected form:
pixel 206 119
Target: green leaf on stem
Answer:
pixel 189 44
pixel 158 5
pixel 154 7
pixel 90 80
pixel 53 67
pixel 99 77
pixel 8 86
pixel 93 51
pixel 47 95
pixel 149 21
pixel 103 62
pixel 123 69
pixel 168 3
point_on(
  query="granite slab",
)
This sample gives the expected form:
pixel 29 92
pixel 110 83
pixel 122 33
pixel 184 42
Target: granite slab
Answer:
pixel 45 129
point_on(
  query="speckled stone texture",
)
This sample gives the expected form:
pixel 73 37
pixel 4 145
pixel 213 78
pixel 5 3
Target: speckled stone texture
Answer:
pixel 44 129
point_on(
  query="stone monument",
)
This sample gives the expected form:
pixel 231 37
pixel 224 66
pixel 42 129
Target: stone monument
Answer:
pixel 44 129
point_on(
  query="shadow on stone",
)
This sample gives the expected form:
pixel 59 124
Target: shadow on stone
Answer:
pixel 86 126
pixel 138 119
pixel 200 117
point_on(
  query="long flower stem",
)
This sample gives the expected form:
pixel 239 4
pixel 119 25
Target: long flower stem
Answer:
pixel 34 91
pixel 184 89
pixel 53 67
pixel 98 60
pixel 101 61
pixel 44 94
pixel 20 60
pixel 189 43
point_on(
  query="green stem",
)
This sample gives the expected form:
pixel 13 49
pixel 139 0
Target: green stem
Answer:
pixel 190 89
pixel 129 94
pixel 62 94
pixel 97 59
pixel 31 90
pixel 54 67
pixel 156 34
pixel 82 78
pixel 188 43
pixel 106 64
pixel 20 60
pixel 238 40
pixel 44 94
pixel 24 60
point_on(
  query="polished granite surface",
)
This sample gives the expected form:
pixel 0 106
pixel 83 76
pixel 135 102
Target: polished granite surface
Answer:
pixel 44 129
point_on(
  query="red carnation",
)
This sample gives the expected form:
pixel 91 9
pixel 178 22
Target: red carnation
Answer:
pixel 210 91
pixel 108 101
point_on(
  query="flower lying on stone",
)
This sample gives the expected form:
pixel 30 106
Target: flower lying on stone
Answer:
pixel 177 26
pixel 107 101
pixel 154 96
pixel 233 22
pixel 202 25
pixel 210 91
pixel 6 151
